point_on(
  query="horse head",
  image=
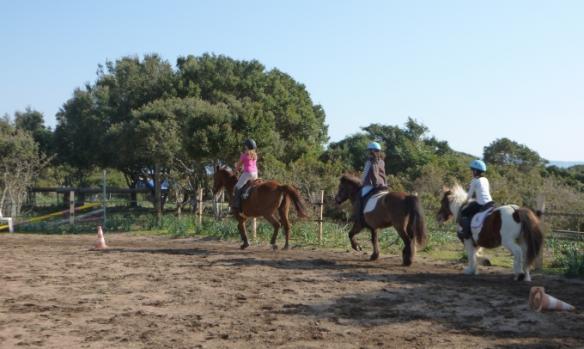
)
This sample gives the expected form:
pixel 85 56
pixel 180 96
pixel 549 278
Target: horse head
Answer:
pixel 444 213
pixel 348 186
pixel 451 202
pixel 222 178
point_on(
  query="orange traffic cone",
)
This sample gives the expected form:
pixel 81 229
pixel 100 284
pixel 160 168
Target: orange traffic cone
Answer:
pixel 100 243
pixel 539 301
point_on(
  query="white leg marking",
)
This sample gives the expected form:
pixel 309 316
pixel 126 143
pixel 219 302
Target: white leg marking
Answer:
pixel 471 269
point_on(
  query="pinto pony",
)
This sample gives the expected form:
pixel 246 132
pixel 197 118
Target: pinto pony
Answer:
pixel 514 227
pixel 400 210
pixel 263 201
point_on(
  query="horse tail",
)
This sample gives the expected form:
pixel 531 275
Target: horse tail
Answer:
pixel 292 193
pixel 417 225
pixel 531 233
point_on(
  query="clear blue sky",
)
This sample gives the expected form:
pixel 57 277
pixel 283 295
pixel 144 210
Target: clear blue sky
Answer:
pixel 471 71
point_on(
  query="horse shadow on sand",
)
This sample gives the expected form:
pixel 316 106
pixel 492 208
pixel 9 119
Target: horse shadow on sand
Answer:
pixel 169 251
pixel 186 251
pixel 295 263
pixel 485 306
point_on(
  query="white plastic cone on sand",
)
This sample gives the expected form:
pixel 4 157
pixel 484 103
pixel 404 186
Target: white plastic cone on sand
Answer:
pixel 540 301
pixel 100 244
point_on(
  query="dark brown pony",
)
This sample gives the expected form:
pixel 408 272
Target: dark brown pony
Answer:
pixel 265 198
pixel 400 210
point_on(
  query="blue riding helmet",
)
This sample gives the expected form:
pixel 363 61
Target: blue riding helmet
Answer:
pixel 374 146
pixel 250 144
pixel 478 165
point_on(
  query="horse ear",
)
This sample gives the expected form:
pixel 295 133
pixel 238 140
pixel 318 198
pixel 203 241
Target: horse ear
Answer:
pixel 216 167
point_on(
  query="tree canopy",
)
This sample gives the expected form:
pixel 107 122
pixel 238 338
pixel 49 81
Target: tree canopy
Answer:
pixel 506 152
pixel 20 165
pixel 201 112
pixel 146 117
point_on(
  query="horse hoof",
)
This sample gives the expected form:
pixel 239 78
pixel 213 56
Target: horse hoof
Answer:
pixel 485 262
pixel 520 277
pixel 244 245
pixel 286 248
pixel 470 271
pixel 407 263
pixel 274 247
pixel 374 257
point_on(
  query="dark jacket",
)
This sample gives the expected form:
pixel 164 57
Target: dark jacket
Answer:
pixel 376 174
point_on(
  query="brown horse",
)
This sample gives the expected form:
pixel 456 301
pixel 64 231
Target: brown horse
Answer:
pixel 400 210
pixel 516 228
pixel 265 198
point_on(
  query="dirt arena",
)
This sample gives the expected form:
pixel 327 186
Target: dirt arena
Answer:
pixel 155 292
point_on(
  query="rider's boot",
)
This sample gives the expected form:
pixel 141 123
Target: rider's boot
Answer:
pixel 463 231
pixel 358 215
pixel 236 201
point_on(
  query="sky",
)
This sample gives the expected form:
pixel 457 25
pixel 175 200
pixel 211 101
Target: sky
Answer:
pixel 471 71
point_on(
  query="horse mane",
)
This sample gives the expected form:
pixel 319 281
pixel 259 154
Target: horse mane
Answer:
pixel 351 179
pixel 458 194
pixel 226 169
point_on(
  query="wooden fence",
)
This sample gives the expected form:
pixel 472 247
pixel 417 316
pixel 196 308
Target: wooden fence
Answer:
pixel 563 232
pixel 316 200
pixel 557 233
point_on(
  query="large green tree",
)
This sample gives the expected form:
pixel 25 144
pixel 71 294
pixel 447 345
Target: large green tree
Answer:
pixel 350 151
pixel 20 165
pixel 506 152
pixel 87 123
pixel 407 150
pixel 269 106
pixel 33 121
pixel 197 114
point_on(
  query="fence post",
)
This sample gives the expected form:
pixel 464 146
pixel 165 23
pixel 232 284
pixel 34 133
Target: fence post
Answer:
pixel 104 202
pixel 218 205
pixel 215 204
pixel 320 209
pixel 71 207
pixel 221 201
pixel 200 205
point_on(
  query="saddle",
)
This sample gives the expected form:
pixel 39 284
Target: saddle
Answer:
pixel 367 203
pixel 476 224
pixel 248 187
pixel 370 200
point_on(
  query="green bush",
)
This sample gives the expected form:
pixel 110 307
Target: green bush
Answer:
pixel 573 262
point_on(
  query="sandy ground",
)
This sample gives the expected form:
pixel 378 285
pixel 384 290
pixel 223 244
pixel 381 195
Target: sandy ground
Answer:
pixel 155 292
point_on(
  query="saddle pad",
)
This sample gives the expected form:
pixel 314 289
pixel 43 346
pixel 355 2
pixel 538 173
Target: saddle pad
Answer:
pixel 372 202
pixel 476 224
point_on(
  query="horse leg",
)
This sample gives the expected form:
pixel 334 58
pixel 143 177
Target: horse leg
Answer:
pixel 517 252
pixel 526 266
pixel 471 253
pixel 242 232
pixel 356 229
pixel 283 212
pixel 375 243
pixel 270 218
pixel 409 246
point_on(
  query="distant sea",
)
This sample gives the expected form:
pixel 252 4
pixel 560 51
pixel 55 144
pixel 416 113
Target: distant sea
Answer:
pixel 565 164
